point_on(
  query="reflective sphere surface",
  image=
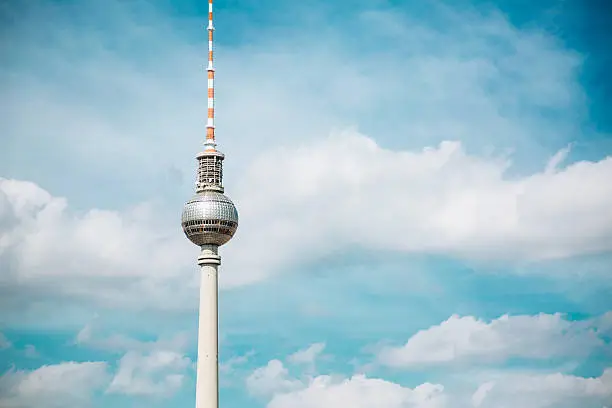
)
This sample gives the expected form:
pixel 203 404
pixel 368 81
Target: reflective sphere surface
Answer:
pixel 209 218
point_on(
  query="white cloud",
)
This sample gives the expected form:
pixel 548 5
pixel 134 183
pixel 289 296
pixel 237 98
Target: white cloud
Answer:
pixel 545 391
pixel 158 373
pixel 472 389
pixel 506 389
pixel 481 393
pixel 360 392
pixel 146 368
pixel 85 335
pixel 64 385
pixel 438 200
pixel 101 255
pixel 307 355
pixel 271 379
pixel 467 339
pixel 274 382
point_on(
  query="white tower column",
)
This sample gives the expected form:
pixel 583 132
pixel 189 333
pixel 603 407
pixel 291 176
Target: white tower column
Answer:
pixel 209 220
pixel 207 377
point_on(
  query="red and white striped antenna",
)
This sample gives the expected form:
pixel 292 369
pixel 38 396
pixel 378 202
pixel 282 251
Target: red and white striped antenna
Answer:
pixel 210 123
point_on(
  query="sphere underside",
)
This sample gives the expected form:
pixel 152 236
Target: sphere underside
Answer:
pixel 209 218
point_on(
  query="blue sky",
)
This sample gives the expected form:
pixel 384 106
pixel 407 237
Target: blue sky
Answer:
pixel 423 189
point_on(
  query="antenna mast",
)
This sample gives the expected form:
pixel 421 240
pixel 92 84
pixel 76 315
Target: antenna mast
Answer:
pixel 210 144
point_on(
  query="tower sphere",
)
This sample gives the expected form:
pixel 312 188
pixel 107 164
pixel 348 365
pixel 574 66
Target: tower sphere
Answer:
pixel 209 218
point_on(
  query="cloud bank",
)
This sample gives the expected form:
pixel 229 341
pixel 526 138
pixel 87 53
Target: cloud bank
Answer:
pixel 341 192
pixel 504 389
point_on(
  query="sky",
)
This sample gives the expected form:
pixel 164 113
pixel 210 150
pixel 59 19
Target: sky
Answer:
pixel 423 189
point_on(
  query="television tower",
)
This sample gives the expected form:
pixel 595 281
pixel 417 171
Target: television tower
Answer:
pixel 209 220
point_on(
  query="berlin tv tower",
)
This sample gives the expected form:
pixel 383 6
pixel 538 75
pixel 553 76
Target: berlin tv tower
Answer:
pixel 209 220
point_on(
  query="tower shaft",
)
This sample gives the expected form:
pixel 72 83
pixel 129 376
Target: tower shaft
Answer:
pixel 209 220
pixel 207 376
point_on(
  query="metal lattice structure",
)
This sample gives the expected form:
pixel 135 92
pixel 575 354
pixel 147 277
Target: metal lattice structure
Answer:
pixel 210 171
